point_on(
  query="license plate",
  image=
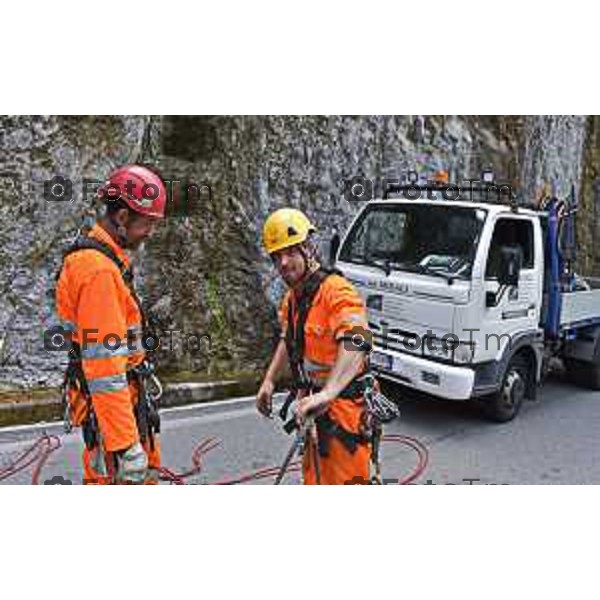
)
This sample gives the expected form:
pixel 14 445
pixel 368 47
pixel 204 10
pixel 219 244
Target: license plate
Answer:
pixel 379 360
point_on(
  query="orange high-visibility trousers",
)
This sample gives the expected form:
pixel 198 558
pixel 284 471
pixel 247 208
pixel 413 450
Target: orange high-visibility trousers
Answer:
pixel 340 466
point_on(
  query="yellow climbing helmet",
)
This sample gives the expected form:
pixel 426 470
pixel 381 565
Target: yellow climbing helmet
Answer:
pixel 284 228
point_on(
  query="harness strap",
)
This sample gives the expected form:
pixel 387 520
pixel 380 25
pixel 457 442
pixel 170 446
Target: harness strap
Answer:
pixel 297 315
pixel 87 243
pixel 327 427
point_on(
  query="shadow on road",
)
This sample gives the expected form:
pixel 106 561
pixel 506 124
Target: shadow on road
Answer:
pixel 422 410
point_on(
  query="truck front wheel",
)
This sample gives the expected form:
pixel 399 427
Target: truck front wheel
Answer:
pixel 504 405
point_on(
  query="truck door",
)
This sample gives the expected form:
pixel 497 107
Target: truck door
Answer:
pixel 518 307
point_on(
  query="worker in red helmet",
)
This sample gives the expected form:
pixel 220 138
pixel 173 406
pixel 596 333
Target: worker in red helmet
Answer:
pixel 110 390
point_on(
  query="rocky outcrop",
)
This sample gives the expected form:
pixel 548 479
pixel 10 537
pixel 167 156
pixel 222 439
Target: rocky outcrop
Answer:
pixel 204 272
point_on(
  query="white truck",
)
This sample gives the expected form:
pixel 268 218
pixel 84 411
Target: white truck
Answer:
pixel 472 299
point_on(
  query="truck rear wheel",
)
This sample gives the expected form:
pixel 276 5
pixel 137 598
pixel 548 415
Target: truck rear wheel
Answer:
pixel 504 405
pixel 583 374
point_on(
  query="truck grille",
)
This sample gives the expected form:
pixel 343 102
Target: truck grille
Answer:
pixel 395 339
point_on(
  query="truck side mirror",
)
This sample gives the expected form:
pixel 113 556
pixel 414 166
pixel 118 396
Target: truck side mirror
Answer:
pixel 510 265
pixel 334 246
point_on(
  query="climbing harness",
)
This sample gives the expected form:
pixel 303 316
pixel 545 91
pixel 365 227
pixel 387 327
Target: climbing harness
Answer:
pixel 378 409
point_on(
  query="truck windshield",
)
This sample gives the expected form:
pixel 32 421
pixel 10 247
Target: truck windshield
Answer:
pixel 438 240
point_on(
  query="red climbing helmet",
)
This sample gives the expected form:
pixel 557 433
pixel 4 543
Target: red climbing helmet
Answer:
pixel 140 188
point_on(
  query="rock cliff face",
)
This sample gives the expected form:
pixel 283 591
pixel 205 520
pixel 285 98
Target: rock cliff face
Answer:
pixel 204 272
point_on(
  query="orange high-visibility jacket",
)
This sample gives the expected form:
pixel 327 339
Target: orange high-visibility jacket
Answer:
pixel 336 310
pixel 95 304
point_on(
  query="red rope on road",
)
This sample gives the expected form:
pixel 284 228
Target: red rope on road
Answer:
pixel 41 450
pixel 200 450
pixel 36 455
pixel 420 450
pixel 271 472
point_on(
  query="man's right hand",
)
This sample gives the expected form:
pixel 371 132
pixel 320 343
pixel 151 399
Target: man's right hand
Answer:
pixel 264 398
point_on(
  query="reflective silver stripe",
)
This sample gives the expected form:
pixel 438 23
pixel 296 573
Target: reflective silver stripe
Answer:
pixel 309 366
pixel 105 351
pixel 353 318
pixel 113 383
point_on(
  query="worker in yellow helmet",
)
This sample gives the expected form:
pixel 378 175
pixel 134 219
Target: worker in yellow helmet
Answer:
pixel 324 341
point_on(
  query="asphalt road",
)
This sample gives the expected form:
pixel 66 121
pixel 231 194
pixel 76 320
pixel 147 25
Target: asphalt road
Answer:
pixel 553 441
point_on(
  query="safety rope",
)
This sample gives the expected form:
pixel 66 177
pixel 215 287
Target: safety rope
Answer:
pixel 38 454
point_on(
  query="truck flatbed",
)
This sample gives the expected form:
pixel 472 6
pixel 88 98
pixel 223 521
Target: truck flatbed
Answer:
pixel 580 308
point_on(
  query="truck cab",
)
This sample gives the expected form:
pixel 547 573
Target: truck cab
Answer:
pixel 457 297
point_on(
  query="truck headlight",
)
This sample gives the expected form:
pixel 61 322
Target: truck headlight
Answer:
pixel 487 175
pixel 464 352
